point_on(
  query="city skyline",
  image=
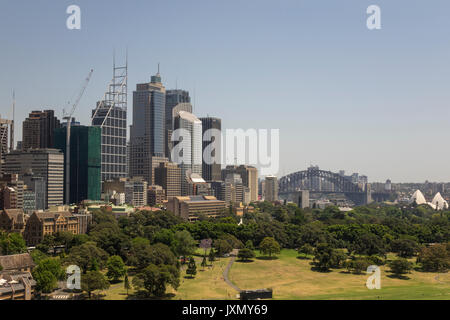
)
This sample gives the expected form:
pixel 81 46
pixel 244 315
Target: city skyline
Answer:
pixel 368 106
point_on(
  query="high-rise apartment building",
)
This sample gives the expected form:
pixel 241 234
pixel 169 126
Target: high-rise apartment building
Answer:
pixel 46 163
pixel 148 128
pixel 211 128
pixel 234 189
pixel 136 192
pixel 85 162
pixel 190 161
pixel 168 176
pixel 155 195
pixel 111 116
pixel 38 130
pixel 12 181
pixel 6 127
pixel 271 188
pixel 176 101
pixel 249 177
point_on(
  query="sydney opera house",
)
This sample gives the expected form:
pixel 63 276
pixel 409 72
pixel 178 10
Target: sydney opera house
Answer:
pixel 437 203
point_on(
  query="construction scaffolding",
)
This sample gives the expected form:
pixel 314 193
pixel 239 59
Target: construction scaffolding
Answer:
pixel 111 116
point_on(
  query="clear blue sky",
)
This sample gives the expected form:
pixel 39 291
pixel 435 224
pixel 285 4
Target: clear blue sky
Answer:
pixel 344 97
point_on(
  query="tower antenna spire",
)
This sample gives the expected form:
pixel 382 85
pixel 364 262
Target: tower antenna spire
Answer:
pixel 11 142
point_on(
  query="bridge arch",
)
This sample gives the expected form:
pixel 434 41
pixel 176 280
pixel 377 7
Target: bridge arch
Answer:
pixel 302 180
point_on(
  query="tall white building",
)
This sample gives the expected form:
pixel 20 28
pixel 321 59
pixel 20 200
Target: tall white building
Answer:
pixel 187 153
pixel 136 192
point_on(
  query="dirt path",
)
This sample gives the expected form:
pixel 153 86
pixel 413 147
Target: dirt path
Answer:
pixel 226 273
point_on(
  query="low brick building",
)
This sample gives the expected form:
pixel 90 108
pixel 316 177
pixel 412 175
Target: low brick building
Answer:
pixel 12 220
pixel 46 223
pixel 190 207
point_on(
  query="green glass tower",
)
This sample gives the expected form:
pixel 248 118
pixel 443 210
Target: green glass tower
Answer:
pixel 85 161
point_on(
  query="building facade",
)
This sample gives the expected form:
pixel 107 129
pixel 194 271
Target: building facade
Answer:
pixel 12 220
pixel 148 128
pixel 176 100
pixel 85 162
pixel 271 188
pixel 46 163
pixel 190 159
pixel 168 176
pixel 36 185
pixel 113 124
pixel 211 128
pixel 249 177
pixel 136 192
pixel 41 224
pixel 155 195
pixel 191 207
pixel 38 130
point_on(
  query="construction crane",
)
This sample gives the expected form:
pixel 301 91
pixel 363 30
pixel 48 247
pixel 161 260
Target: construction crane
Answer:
pixel 68 117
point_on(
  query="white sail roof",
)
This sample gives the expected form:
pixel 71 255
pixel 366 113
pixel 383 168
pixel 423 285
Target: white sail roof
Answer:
pixel 418 198
pixel 439 202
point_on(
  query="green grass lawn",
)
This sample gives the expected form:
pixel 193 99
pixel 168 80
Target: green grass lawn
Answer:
pixel 207 284
pixel 292 278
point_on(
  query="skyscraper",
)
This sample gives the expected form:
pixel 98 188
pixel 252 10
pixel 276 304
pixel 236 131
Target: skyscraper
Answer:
pixel 111 116
pixel 147 130
pixel 249 177
pixel 271 188
pixel 4 123
pixel 85 163
pixel 36 184
pixel 38 130
pixel 211 172
pixel 190 160
pixel 46 163
pixel 168 176
pixel 176 100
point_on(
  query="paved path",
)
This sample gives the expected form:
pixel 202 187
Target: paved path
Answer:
pixel 227 271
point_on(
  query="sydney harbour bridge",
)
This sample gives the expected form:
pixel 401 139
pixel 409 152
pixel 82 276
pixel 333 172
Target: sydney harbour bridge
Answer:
pixel 318 182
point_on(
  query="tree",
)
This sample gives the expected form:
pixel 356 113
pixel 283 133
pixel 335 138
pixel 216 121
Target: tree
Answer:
pixel 435 258
pixel 192 268
pixel 204 262
pixel 12 243
pixel 45 281
pixel 306 250
pixel 38 256
pixel 405 248
pixel 65 239
pixel 212 255
pixel 357 265
pixel 47 244
pixel 86 256
pixel 369 244
pixel 154 279
pixel 400 266
pixel 47 273
pixel 269 246
pixel 183 243
pixel 142 254
pixel 126 283
pixel 116 268
pixel 246 254
pixel 222 246
pixel 249 245
pixel 326 257
pixel 93 280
